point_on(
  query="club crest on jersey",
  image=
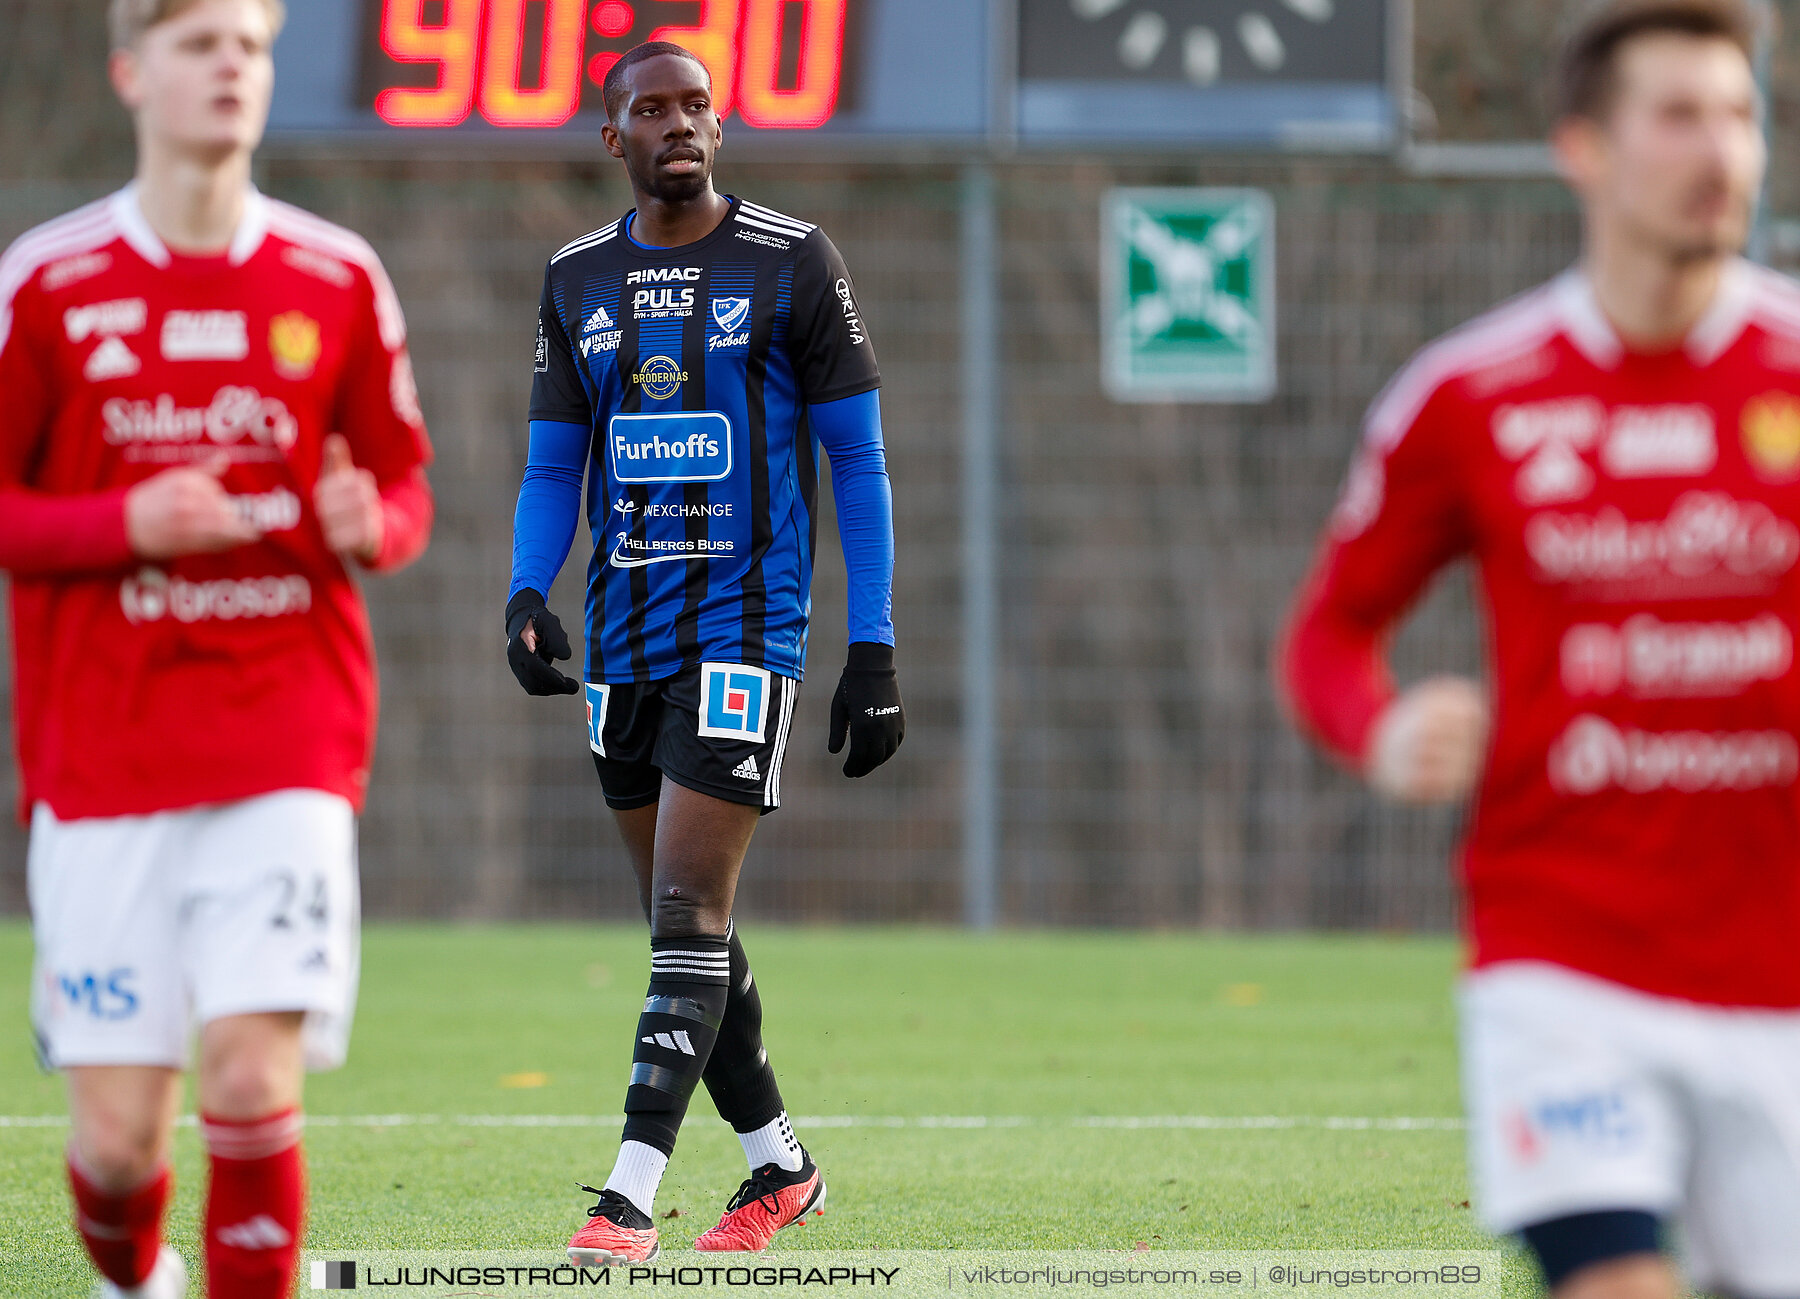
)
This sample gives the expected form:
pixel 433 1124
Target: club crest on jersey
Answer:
pixel 734 702
pixel 660 377
pixel 295 344
pixel 1771 431
pixel 730 313
pixel 597 694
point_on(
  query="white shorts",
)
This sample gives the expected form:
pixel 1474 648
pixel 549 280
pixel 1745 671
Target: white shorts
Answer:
pixel 147 925
pixel 1584 1095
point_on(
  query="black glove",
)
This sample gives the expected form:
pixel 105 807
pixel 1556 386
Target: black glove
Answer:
pixel 532 667
pixel 867 707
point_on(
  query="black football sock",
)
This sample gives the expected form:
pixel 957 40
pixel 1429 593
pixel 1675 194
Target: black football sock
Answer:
pixel 738 1075
pixel 689 979
pixel 740 1078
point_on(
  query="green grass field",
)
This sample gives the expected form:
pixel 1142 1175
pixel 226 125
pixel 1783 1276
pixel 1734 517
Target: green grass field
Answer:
pixel 969 1090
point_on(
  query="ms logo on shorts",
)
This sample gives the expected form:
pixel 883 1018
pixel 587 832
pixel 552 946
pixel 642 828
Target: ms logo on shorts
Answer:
pixel 734 702
pixel 102 994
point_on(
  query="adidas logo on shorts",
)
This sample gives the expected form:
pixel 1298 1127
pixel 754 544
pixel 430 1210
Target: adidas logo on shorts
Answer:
pixel 747 769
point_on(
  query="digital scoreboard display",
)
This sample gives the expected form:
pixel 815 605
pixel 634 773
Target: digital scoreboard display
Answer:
pixel 538 63
pixel 403 74
pixel 533 69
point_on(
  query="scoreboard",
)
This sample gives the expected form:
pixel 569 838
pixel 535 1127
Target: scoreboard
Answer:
pixel 531 70
pixel 1270 73
pixel 781 66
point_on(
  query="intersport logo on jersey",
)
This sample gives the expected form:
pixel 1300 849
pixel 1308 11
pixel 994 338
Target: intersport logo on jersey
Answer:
pixel 1705 533
pixel 234 415
pixel 1594 755
pixel 150 595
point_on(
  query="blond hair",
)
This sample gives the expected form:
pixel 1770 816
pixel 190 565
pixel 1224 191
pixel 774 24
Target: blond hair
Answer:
pixel 128 20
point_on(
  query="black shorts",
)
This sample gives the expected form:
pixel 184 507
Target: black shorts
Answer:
pixel 717 728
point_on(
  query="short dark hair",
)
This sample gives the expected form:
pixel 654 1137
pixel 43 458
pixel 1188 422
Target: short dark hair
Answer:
pixel 612 90
pixel 1587 73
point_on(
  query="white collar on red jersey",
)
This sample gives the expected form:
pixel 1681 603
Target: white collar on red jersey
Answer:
pixel 1593 334
pixel 136 231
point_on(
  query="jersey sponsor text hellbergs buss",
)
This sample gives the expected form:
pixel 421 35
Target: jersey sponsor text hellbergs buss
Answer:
pixel 694 367
pixel 1636 522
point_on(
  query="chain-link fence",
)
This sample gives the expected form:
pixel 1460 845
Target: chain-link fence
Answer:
pixel 1148 553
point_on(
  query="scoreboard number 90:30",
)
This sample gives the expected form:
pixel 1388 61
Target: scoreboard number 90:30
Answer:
pixel 528 63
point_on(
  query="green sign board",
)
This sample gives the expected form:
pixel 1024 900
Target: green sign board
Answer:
pixel 1187 295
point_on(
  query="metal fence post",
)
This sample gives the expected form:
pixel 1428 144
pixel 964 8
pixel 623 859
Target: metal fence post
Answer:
pixel 981 586
pixel 1758 249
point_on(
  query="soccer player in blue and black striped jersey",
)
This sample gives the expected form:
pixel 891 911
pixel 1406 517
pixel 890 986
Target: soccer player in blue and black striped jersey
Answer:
pixel 692 359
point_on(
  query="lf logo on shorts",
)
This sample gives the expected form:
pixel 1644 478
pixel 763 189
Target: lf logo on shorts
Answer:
pixel 734 702
pixel 596 716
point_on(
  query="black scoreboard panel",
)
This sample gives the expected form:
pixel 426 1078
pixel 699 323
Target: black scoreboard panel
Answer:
pixel 1284 73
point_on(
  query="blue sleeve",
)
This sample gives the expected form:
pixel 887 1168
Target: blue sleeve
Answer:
pixel 549 507
pixel 850 432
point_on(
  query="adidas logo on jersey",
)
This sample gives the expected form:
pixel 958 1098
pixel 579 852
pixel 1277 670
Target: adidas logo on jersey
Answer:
pixel 600 334
pixel 676 1041
pixel 260 1232
pixel 747 769
pixel 111 360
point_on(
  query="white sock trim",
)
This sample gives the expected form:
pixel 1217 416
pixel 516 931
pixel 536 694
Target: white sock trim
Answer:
pixel 773 1143
pixel 637 1174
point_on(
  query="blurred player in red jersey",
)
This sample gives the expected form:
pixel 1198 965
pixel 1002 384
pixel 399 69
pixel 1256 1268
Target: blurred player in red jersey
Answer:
pixel 209 420
pixel 1619 452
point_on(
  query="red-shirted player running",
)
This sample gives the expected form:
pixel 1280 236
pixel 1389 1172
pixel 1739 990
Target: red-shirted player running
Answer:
pixel 207 417
pixel 1619 452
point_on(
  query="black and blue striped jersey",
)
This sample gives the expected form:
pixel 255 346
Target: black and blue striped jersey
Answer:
pixel 694 367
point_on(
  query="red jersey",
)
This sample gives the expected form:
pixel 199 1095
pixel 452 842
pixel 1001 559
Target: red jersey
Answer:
pixel 148 686
pixel 1635 520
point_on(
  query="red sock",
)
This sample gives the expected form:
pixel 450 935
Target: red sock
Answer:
pixel 255 1206
pixel 122 1232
